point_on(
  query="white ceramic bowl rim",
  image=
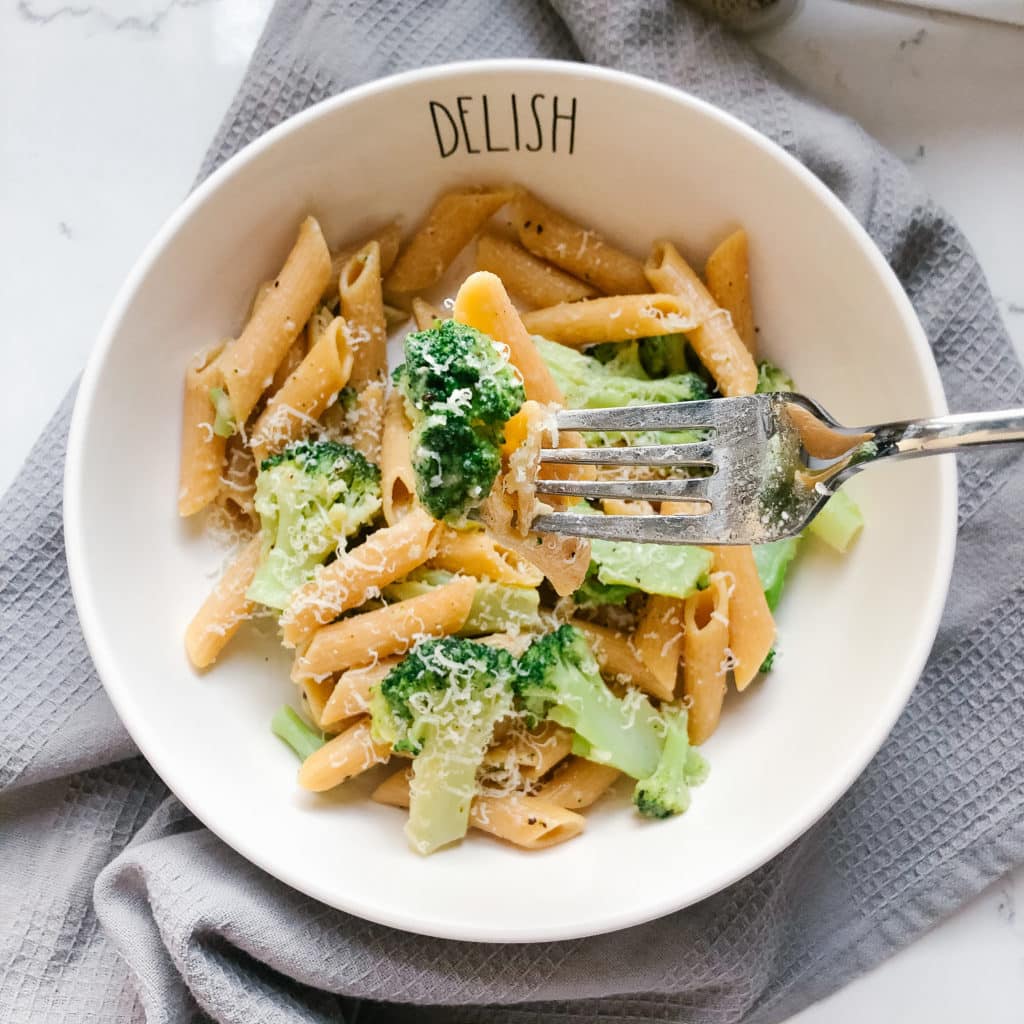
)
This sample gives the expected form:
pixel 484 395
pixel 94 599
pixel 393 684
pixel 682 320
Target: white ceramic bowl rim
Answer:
pixel 145 732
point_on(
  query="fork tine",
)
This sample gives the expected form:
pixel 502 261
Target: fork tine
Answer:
pixel 697 415
pixel 669 529
pixel 649 490
pixel 695 454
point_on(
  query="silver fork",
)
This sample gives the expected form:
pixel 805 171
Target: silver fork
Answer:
pixel 762 469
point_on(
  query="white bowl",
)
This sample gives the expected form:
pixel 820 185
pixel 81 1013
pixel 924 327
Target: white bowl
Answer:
pixel 646 161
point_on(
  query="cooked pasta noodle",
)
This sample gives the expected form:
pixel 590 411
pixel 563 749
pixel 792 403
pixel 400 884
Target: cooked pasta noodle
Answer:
pixel 536 282
pixel 715 340
pixel 249 362
pixel 553 237
pixel 525 821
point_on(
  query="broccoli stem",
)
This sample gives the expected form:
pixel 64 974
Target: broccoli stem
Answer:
pixel 772 564
pixel 838 523
pixel 288 726
pixel 607 730
pixel 440 793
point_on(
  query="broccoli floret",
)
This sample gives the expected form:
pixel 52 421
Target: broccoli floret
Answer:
pixel 667 791
pixel 441 704
pixel 590 384
pixel 769 661
pixel 460 392
pixel 663 355
pixel 310 497
pixel 559 679
pixel 771 378
pixel 620 357
pixel 455 467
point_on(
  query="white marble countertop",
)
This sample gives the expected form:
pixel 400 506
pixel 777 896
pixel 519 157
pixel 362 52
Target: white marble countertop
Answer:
pixel 107 108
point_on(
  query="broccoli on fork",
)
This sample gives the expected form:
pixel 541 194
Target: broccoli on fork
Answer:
pixel 460 392
pixel 309 497
pixel 559 679
pixel 667 790
pixel 441 704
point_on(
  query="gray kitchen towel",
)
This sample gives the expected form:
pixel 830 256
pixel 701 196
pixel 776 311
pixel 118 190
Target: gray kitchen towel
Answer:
pixel 116 905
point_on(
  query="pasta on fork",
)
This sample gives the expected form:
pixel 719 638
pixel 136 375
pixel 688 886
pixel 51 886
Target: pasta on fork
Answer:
pixel 508 679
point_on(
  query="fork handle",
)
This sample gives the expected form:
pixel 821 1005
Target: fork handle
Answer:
pixel 914 438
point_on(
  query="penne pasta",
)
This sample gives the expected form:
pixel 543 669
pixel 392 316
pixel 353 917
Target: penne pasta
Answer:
pixel 715 340
pixel 291 361
pixel 612 318
pixel 351 694
pixel 397 479
pixel 618 658
pixel 316 327
pixel 658 640
pixel 533 753
pixel 615 507
pixel 362 306
pixel 477 553
pixel 224 610
pixel 259 295
pixel 451 224
pixel 315 695
pixel 555 238
pixel 202 450
pixel 346 755
pixel 394 629
pixel 524 821
pixel 388 238
pixel 357 575
pixel 248 363
pixel 577 783
pixel 532 279
pixel 563 560
pixel 293 411
pixel 751 626
pixel 727 274
pixel 424 314
pixel 367 421
pixel 705 656
pixel 237 494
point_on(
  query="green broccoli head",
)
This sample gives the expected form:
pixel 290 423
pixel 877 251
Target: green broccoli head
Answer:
pixel 441 704
pixel 460 392
pixel 455 466
pixel 559 679
pixel 587 383
pixel 663 355
pixel 667 790
pixel 621 358
pixel 309 497
pixel 771 378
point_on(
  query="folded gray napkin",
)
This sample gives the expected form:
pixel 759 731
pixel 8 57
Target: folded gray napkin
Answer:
pixel 116 905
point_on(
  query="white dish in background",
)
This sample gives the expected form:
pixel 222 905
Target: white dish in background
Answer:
pixel 855 631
